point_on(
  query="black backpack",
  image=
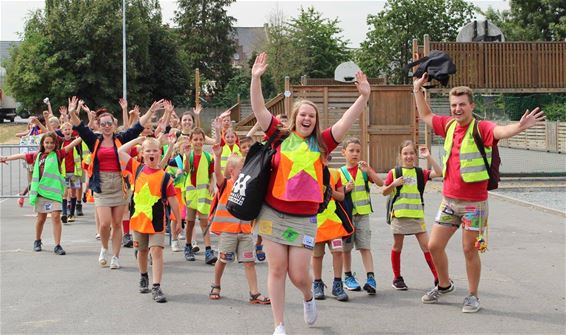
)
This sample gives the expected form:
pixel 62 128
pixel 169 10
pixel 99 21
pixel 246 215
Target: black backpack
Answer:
pixel 437 64
pixel 398 172
pixel 343 210
pixel 246 199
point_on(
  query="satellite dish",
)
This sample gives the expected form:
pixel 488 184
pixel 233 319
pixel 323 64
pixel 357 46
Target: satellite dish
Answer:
pixel 480 31
pixel 346 72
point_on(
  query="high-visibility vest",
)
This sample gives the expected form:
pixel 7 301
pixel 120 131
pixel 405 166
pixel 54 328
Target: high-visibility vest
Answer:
pixel 472 166
pixel 197 196
pixel 78 171
pixel 299 175
pixel 226 152
pixel 222 220
pixel 408 204
pixel 329 225
pixel 50 184
pixel 360 195
pixel 148 206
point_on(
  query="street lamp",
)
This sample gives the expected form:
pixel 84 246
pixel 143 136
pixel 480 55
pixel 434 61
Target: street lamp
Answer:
pixel 124 84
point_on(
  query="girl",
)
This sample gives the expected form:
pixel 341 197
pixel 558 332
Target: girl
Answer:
pixel 229 146
pixel 47 186
pixel 175 168
pixel 407 213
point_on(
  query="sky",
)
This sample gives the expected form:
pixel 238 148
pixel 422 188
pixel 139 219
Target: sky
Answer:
pixel 351 14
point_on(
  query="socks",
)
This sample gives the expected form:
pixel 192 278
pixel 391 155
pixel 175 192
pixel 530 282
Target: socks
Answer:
pixel 64 205
pixel 156 285
pixel 208 248
pixel 337 279
pixel 430 263
pixel 348 274
pixel 318 280
pixel 396 263
pixel 370 275
pixel 145 275
pixel 73 206
pixel 126 226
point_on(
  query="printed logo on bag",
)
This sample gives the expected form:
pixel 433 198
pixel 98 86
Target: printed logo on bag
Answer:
pixel 238 194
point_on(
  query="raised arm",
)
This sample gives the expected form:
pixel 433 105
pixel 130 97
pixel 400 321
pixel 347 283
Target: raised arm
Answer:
pixel 124 105
pixel 528 120
pixel 262 114
pixel 5 159
pixel 73 112
pixel 436 169
pixel 171 138
pixel 73 144
pixel 157 105
pixel 196 112
pixel 425 113
pixel 217 150
pixel 124 150
pixel 341 127
pixel 134 115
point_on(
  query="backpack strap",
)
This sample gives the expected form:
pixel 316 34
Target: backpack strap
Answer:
pixel 397 172
pixel 420 182
pixel 479 143
pixel 345 173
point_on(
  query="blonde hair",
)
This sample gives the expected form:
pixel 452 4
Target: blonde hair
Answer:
pixel 67 124
pixel 233 160
pixel 316 132
pixel 151 141
pixel 179 144
pixel 463 90
pixel 53 118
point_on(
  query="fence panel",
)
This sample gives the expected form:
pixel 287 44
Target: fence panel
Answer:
pixel 14 175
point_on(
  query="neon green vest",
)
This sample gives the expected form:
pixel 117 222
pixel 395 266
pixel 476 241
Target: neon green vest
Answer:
pixel 226 152
pixel 408 204
pixel 197 196
pixel 360 197
pixel 77 162
pixel 50 184
pixel 472 166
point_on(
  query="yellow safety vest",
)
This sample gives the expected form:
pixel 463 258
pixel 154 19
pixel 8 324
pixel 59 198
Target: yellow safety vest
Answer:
pixel 226 152
pixel 197 196
pixel 360 196
pixel 408 203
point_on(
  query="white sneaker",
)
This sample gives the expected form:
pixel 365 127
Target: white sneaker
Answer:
pixel 176 246
pixel 309 309
pixel 182 235
pixel 114 264
pixel 279 330
pixel 102 259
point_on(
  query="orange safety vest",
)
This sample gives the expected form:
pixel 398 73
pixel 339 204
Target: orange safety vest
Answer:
pixel 222 220
pixel 148 206
pixel 329 225
pixel 90 168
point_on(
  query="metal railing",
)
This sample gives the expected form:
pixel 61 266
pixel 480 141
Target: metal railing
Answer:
pixel 14 174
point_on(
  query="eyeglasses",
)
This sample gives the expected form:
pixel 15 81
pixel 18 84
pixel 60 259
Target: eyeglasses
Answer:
pixel 106 124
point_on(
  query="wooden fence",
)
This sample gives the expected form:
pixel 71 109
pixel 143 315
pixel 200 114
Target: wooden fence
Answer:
pixel 549 136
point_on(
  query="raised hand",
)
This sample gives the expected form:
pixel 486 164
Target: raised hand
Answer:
pixel 155 106
pixel 217 150
pixel 63 109
pixel 418 83
pixel 171 138
pixel 531 118
pixel 423 152
pixel 197 110
pixel 362 84
pixel 135 111
pixel 363 165
pixel 73 102
pixel 123 103
pixel 260 65
pixel 168 106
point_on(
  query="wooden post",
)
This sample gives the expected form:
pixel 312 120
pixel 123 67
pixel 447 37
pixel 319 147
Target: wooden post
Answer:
pixel 303 80
pixel 427 130
pixel 287 95
pixel 197 88
pixel 416 56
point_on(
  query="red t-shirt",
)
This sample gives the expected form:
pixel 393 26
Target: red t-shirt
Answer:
pixel 30 158
pixel 69 159
pixel 107 159
pixel 454 186
pixel 196 161
pixel 389 178
pixel 296 207
pixel 132 166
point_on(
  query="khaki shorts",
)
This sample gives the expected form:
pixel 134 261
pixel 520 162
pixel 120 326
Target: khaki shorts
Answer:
pixel 144 241
pixel 297 231
pixel 72 181
pixel 192 215
pixel 240 245
pixel 408 226
pixel 361 238
pixel 112 194
pixel 44 205
pixel 471 215
pixel 336 245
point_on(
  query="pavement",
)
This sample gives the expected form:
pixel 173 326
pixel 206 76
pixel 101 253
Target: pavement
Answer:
pixel 522 289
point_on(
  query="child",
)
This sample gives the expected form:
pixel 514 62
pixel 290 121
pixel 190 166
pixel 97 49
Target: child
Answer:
pixel 235 235
pixel 199 189
pixel 152 188
pixel 330 231
pixel 72 171
pixel 47 186
pixel 229 146
pixel 355 175
pixel 175 168
pixel 407 212
pixel 245 145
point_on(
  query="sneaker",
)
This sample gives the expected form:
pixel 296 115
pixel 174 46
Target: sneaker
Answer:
pixel 102 258
pixel 182 235
pixel 127 241
pixel 318 290
pixel 59 250
pixel 21 201
pixel 338 291
pixel 471 304
pixel 176 246
pixel 144 285
pixel 399 284
pixel 189 256
pixel 309 310
pixel 279 330
pixel 64 219
pixel 157 294
pixel 71 218
pixel 79 209
pixel 97 236
pixel 370 286
pixel 431 297
pixel 196 248
pixel 37 245
pixel 351 283
pixel 209 257
pixel 114 263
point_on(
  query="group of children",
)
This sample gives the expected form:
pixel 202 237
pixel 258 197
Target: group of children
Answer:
pixel 174 180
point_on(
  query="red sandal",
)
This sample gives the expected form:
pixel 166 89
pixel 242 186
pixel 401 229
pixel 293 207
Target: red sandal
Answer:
pixel 255 299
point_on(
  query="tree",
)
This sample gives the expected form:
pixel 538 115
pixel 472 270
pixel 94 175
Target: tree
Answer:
pixel 206 33
pixel 531 20
pixel 75 48
pixel 388 45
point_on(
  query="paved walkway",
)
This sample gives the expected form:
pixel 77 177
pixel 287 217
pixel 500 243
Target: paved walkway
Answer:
pixel 522 289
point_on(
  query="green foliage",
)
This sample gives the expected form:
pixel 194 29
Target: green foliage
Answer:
pixel 388 44
pixel 555 112
pixel 75 48
pixel 206 34
pixel 531 20
pixel 553 105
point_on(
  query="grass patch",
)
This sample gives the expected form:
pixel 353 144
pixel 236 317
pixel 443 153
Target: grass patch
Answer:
pixel 8 132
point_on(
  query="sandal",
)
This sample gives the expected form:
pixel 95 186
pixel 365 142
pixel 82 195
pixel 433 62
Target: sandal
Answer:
pixel 259 253
pixel 255 299
pixel 214 295
pixel 21 201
